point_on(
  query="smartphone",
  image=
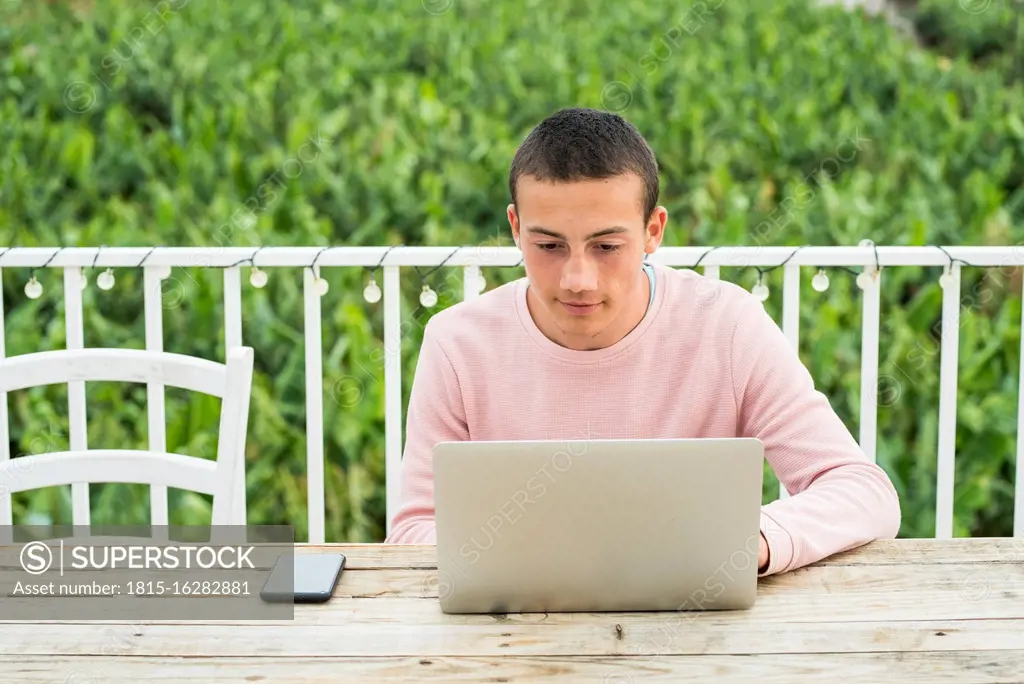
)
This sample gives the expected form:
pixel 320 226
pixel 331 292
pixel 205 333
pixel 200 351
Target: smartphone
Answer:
pixel 310 579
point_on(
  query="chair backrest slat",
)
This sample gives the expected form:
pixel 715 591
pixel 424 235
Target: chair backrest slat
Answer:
pixel 111 465
pixel 112 365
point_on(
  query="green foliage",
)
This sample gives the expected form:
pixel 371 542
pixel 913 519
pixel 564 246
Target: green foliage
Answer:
pixel 986 32
pixel 369 123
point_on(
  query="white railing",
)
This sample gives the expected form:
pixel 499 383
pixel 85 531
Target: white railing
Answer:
pixel 158 262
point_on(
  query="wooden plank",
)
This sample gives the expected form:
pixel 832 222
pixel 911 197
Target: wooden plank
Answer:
pixel 374 556
pixel 623 635
pixel 966 581
pixel 917 551
pixel 824 593
pixel 961 667
pixel 919 597
pixel 881 552
pixel 970 581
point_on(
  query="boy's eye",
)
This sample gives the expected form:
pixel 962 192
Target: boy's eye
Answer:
pixel 551 246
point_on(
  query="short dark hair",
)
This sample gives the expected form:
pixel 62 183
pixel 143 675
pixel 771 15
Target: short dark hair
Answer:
pixel 579 144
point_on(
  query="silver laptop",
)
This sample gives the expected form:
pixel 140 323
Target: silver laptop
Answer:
pixel 597 525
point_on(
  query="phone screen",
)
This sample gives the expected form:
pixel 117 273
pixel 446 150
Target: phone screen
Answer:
pixel 307 577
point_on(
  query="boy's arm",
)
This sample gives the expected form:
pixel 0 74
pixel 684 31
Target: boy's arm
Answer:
pixel 840 498
pixel 435 414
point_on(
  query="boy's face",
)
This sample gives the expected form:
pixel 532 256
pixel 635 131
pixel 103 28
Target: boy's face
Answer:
pixel 583 247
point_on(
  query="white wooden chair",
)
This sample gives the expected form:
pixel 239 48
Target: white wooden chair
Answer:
pixel 231 382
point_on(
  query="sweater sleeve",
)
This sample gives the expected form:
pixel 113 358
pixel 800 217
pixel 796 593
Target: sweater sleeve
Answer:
pixel 435 414
pixel 840 499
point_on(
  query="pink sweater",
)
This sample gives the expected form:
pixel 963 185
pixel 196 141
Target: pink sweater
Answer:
pixel 706 361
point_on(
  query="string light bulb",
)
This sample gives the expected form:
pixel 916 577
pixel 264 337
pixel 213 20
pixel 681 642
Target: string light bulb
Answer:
pixel 820 281
pixel 868 275
pixel 321 285
pixel 428 297
pixel 946 279
pixel 33 288
pixel 371 292
pixel 760 290
pixel 105 281
pixel 257 278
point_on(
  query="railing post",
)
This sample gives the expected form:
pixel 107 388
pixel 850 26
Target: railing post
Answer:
pixel 76 388
pixel 233 340
pixel 869 378
pixel 470 282
pixel 157 415
pixel 1019 486
pixel 950 351
pixel 392 392
pixel 6 508
pixel 314 409
pixel 790 320
pixel 1018 496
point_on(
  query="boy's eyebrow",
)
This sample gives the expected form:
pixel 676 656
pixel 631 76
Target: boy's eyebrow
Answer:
pixel 614 230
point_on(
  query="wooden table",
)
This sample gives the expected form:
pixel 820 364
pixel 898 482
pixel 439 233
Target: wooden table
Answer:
pixel 898 611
